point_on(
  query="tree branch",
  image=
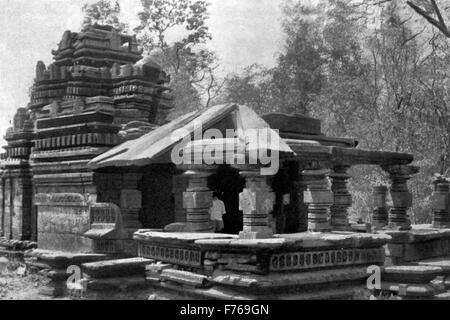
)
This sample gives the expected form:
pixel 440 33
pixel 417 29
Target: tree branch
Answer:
pixel 438 24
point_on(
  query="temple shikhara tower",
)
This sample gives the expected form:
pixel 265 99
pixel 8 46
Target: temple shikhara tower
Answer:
pixel 89 177
pixel 79 103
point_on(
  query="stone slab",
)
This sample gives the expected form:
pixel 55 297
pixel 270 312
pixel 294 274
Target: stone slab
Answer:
pixel 114 268
pixel 443 263
pixel 418 233
pixel 442 296
pixel 412 290
pixel 299 241
pixel 185 278
pixel 61 260
pixel 183 237
pixel 410 274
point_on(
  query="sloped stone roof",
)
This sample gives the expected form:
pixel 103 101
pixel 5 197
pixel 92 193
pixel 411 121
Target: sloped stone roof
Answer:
pixel 151 147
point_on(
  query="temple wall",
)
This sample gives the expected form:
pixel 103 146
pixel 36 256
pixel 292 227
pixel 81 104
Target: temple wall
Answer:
pixel 16 210
pixel 62 221
pixel 62 200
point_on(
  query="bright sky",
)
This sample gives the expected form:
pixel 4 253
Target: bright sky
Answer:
pixel 244 32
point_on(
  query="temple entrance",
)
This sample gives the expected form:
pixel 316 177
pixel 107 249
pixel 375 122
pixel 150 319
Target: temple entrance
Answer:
pixel 228 184
pixel 289 213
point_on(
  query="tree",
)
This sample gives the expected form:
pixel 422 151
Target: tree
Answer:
pixel 252 88
pixel 292 85
pixel 430 10
pixel 191 65
pixel 371 75
pixel 160 16
pixel 103 12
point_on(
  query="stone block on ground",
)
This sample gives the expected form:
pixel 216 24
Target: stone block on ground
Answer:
pixel 185 278
pixel 116 268
pixel 413 291
pixel 410 274
pixel 62 260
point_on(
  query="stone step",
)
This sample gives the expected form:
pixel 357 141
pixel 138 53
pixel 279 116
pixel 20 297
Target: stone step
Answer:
pixel 115 268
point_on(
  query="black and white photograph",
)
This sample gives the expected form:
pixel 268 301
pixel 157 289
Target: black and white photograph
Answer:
pixel 236 151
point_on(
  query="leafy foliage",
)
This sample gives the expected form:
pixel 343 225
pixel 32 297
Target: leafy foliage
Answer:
pixel 369 74
pixel 103 12
pixel 189 62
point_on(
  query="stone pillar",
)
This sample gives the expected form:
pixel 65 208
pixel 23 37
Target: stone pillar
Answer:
pixel 342 198
pixel 131 201
pixel 319 199
pixel 401 197
pixel 440 204
pixel 256 201
pixel 21 220
pixel 197 201
pixel 380 211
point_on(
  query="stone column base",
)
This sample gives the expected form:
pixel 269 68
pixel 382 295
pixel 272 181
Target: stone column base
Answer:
pixel 261 233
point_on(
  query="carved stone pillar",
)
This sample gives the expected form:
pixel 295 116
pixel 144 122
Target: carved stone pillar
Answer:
pixel 197 201
pixel 319 199
pixel 256 201
pixel 131 201
pixel 380 211
pixel 342 198
pixel 440 204
pixel 401 197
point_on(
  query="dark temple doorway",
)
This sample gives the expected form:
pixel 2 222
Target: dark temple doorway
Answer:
pixel 228 184
pixel 289 213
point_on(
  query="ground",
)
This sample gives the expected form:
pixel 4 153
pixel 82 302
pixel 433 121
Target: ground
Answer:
pixel 15 286
pixel 17 283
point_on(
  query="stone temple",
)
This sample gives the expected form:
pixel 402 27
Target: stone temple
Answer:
pixel 89 178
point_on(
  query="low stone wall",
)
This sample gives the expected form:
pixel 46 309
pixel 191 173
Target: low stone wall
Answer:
pixel 299 266
pixel 419 243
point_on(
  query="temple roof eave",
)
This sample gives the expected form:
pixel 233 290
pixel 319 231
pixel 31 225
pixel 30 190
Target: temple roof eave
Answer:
pixel 348 156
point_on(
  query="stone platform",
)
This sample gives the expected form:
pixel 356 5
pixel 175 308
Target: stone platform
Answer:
pixel 419 243
pixel 286 266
